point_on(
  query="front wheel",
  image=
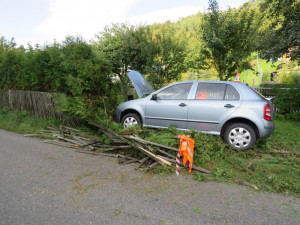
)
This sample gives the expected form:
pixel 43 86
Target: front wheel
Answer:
pixel 130 120
pixel 240 136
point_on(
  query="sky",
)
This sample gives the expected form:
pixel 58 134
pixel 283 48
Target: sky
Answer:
pixel 43 21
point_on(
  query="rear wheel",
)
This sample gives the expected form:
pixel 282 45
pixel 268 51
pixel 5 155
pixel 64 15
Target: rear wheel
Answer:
pixel 240 136
pixel 130 120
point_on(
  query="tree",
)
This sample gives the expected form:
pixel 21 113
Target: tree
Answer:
pixel 227 39
pixel 169 59
pixel 88 79
pixel 126 47
pixel 10 63
pixel 282 34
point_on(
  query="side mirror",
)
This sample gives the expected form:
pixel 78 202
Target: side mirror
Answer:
pixel 154 97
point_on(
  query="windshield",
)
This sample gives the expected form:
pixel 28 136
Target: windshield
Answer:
pixel 140 84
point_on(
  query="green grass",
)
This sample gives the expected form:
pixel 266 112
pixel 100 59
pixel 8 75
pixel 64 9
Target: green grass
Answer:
pixel 20 122
pixel 252 77
pixel 272 165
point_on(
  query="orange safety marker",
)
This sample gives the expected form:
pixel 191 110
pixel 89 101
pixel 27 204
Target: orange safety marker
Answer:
pixel 186 150
pixel 237 78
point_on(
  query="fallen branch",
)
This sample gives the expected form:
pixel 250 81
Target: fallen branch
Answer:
pixel 68 140
pixel 138 139
pixel 142 162
pixel 60 129
pixel 69 128
pixel 130 161
pixel 83 143
pixel 282 152
pixel 153 156
pixel 247 184
pixel 153 165
pixel 167 154
pixel 89 152
pixel 135 146
pixel 128 132
pixel 59 143
pixel 31 135
pixel 200 169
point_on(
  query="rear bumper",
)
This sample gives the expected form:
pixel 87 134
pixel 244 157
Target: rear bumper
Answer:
pixel 267 129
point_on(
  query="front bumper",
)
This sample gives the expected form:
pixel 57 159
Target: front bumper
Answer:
pixel 117 115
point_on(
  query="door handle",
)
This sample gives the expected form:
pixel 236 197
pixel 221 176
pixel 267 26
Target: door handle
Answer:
pixel 229 106
pixel 182 104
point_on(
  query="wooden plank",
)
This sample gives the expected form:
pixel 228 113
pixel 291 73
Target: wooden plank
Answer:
pixel 247 184
pixel 136 146
pixel 67 139
pixel 59 129
pixel 153 165
pixel 89 152
pixel 130 161
pixel 143 161
pixel 163 152
pixel 83 143
pixel 194 167
pixel 152 143
pixel 63 144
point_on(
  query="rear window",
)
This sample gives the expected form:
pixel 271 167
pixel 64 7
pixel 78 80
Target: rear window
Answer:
pixel 213 91
pixel 231 93
pixel 207 91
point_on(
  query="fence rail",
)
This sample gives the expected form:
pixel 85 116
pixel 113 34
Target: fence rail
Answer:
pixel 266 91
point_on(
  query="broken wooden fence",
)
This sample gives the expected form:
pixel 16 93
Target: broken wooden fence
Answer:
pixel 147 154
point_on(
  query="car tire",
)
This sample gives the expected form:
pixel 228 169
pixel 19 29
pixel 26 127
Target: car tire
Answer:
pixel 130 120
pixel 240 136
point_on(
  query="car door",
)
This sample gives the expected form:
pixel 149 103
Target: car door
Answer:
pixel 170 107
pixel 211 104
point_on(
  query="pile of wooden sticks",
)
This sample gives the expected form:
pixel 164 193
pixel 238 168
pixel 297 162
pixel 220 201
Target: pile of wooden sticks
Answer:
pixel 125 146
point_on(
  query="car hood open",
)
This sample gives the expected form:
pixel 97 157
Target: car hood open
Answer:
pixel 140 84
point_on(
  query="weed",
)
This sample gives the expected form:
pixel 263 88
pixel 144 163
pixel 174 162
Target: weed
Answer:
pixel 163 170
pixel 81 189
pixel 196 209
pixel 200 177
pixel 79 177
pixel 50 158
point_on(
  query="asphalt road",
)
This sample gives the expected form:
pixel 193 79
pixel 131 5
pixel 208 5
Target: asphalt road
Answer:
pixel 46 184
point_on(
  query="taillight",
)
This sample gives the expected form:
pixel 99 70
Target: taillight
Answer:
pixel 267 112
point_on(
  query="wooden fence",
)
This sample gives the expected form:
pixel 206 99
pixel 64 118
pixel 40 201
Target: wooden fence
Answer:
pixel 40 104
pixel 266 91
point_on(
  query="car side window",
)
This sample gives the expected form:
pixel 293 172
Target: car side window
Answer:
pixel 231 93
pixel 207 91
pixel 175 92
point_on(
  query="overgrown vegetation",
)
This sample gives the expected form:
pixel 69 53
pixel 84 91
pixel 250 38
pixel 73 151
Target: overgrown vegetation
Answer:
pixel 273 165
pixel 287 101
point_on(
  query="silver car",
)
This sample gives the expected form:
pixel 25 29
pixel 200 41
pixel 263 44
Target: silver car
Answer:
pixel 231 109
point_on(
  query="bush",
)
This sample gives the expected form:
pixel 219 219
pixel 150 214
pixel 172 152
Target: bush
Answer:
pixel 287 101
